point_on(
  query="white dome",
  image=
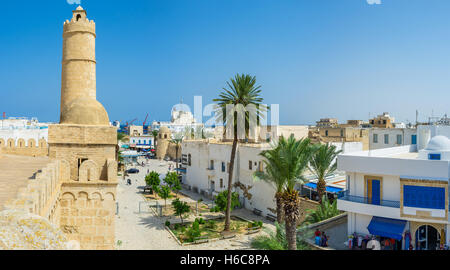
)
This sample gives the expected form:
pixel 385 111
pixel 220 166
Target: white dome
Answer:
pixel 439 143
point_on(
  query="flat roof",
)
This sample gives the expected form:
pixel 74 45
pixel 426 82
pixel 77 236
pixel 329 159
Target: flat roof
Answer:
pixel 15 172
pixel 409 155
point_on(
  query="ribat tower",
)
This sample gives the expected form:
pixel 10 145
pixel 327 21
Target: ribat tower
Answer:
pixel 79 103
pixel 84 142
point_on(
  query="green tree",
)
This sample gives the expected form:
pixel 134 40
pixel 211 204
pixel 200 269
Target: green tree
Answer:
pixel 122 137
pixel 170 178
pixel 273 174
pixel 221 201
pixel 242 91
pixel 176 187
pixel 153 180
pixel 180 208
pixel 294 158
pixel 173 181
pixel 155 136
pixel 323 164
pixel 276 240
pixel 325 211
pixel 177 142
pixel 164 193
pixel 194 231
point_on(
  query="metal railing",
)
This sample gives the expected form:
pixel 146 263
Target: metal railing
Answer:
pixel 358 199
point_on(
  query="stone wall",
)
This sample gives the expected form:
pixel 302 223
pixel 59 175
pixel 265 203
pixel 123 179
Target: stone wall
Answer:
pixel 93 143
pixel 172 151
pixel 41 195
pixel 24 147
pixel 305 205
pixel 88 196
pixel 87 215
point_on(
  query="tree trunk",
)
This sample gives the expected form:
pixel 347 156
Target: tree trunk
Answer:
pixel 230 184
pixel 176 156
pixel 280 210
pixel 321 188
pixel 291 234
pixel 291 203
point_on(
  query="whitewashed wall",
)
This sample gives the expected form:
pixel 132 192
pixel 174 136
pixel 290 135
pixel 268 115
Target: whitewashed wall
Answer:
pixel 26 134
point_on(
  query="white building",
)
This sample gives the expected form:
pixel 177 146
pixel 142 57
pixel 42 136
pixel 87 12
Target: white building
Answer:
pixel 16 130
pixel 181 119
pixel 205 166
pixel 380 138
pixel 207 163
pixel 142 142
pixel 400 193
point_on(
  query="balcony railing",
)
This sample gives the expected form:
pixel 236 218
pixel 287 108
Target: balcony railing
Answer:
pixel 351 198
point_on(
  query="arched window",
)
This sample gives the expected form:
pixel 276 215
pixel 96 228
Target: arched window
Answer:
pixel 78 17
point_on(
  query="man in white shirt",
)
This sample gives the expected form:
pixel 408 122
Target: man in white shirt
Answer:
pixel 374 244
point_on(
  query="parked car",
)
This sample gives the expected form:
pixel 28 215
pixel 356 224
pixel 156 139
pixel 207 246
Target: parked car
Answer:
pixel 133 171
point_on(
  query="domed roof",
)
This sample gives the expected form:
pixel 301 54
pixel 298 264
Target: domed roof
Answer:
pixel 164 129
pixel 85 111
pixel 439 143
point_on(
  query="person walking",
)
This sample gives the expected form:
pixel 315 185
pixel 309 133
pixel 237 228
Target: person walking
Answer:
pixel 317 237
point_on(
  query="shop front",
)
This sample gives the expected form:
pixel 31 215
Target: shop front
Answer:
pixel 395 234
pixel 428 236
pixel 384 234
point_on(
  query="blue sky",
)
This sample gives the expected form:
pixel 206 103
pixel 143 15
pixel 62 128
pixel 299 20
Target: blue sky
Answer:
pixel 316 58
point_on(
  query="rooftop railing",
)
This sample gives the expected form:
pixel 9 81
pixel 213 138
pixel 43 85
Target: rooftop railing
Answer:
pixel 358 199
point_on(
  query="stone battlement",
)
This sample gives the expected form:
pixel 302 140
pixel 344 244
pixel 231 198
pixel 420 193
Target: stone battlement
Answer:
pixel 79 26
pixel 41 194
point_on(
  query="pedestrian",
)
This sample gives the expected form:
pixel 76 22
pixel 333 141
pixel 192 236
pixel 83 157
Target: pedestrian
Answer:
pixel 324 240
pixel 374 244
pixel 317 237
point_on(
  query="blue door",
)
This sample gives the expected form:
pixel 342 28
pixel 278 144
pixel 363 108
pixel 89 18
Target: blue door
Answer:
pixel 376 192
pixel 414 139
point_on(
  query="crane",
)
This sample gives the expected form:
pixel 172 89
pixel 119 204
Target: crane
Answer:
pixel 128 124
pixel 145 121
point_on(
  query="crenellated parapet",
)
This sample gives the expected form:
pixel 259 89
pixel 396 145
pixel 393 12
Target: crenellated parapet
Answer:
pixel 85 26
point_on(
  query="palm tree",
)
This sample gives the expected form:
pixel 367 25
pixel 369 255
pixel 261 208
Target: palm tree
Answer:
pixel 325 211
pixel 294 157
pixel 242 91
pixel 155 136
pixel 177 142
pixel 323 164
pixel 273 175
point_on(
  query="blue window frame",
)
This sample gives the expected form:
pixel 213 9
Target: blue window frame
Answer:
pixel 434 156
pixel 424 197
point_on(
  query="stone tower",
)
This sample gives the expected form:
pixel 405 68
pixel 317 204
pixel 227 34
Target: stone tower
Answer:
pixel 85 142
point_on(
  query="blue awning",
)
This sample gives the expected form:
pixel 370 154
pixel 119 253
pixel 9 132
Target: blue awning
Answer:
pixel 328 189
pixel 387 227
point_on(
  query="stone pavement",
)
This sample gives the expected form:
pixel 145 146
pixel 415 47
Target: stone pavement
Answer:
pixel 147 232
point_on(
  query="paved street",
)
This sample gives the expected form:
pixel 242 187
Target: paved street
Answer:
pixel 145 231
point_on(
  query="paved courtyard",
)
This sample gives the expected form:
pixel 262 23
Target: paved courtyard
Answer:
pixel 147 232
